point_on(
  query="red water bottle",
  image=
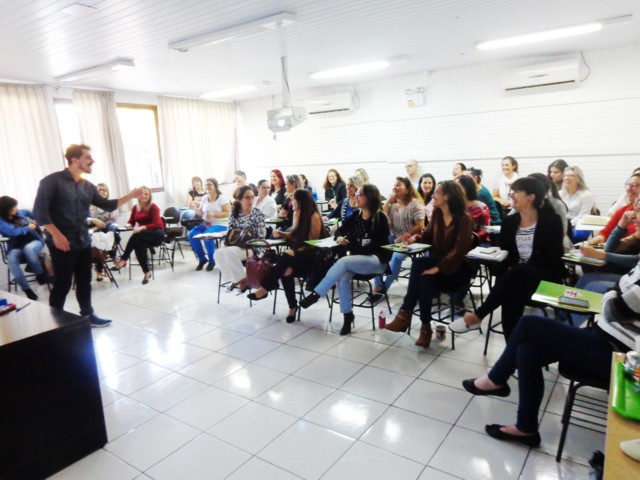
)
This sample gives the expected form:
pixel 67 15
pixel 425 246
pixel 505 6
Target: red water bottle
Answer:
pixel 382 320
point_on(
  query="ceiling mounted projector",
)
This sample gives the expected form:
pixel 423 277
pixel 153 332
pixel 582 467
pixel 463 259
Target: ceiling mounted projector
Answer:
pixel 284 119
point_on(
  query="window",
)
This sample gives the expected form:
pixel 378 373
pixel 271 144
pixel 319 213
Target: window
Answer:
pixel 139 130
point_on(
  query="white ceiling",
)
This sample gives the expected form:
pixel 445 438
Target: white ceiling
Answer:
pixel 40 43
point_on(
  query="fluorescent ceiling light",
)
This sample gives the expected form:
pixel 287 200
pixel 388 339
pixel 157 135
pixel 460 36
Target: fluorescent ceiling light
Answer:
pixel 272 22
pixel 357 69
pixel 115 66
pixel 78 10
pixel 227 92
pixel 552 34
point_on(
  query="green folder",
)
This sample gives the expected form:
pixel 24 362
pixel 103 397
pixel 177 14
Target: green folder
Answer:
pixel 624 399
pixel 549 293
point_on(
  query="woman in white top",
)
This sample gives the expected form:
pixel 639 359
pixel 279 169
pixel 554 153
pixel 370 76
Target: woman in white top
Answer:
pixel 214 208
pixel 578 199
pixel 624 199
pixel 265 203
pixel 503 185
pixel 426 189
pixel 406 213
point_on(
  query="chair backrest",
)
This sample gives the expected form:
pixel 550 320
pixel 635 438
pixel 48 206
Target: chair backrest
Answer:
pixel 171 215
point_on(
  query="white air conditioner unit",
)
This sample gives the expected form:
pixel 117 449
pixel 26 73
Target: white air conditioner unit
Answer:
pixel 337 102
pixel 285 118
pixel 542 75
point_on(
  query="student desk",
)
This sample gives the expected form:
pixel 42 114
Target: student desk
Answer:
pixel 617 465
pixel 50 406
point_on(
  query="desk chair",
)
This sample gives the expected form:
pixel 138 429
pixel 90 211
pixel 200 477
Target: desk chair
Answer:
pixel 361 297
pixel 585 411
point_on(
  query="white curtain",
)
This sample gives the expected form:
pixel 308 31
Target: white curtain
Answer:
pixel 99 129
pixel 29 141
pixel 198 138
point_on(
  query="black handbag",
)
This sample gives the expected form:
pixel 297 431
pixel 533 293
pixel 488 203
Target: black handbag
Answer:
pixel 236 237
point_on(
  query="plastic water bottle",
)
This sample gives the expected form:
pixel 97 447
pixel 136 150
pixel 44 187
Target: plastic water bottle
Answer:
pixel 382 320
pixel 315 195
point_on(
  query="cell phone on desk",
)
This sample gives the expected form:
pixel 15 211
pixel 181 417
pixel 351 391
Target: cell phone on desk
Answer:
pixel 574 302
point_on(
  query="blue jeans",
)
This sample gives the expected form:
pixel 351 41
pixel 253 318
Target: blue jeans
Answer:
pixel 395 265
pixel 343 271
pixel 594 282
pixel 29 253
pixel 210 244
pixel 539 341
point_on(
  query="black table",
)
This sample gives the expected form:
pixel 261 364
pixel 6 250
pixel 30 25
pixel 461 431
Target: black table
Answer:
pixel 50 406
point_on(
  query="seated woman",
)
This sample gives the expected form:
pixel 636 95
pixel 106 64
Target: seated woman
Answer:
pixel 623 200
pixel 24 245
pixel 555 172
pixel 286 210
pixel 621 250
pixel 446 267
pixel 426 189
pixel 406 218
pixel 243 217
pixel 265 203
pixel 364 176
pixel 478 211
pixel 214 208
pixel 578 199
pixel 148 232
pixel 503 184
pixel 533 238
pixel 538 341
pixel 277 189
pixel 363 234
pixel 349 204
pixel 307 225
pixel 632 188
pixel 334 188
pixel 104 222
pixel 553 197
pixel 193 199
pixel 458 169
pixel 305 183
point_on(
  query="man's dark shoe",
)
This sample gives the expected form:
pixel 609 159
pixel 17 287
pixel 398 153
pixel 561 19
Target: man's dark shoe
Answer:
pixel 97 322
pixel 210 266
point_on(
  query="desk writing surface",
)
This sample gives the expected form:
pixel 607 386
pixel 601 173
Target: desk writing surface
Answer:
pixel 406 248
pixel 617 465
pixel 548 292
pixel 34 319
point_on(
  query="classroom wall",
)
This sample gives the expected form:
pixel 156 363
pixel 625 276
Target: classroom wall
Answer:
pixel 467 117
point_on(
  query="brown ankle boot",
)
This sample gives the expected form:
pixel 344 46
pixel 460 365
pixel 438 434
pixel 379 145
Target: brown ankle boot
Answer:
pixel 424 340
pixel 401 322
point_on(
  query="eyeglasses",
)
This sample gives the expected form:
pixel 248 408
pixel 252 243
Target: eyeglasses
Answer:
pixel 568 175
pixel 359 194
pixel 249 197
pixel 632 185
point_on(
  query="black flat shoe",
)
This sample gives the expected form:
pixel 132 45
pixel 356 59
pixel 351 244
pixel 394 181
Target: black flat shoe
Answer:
pixel 309 300
pixel 292 318
pixel 200 266
pixel 469 386
pixel 531 441
pixel 252 296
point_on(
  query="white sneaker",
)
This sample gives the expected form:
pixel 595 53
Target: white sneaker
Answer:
pixel 458 326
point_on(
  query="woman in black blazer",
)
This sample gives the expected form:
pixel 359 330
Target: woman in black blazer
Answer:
pixel 334 188
pixel 533 238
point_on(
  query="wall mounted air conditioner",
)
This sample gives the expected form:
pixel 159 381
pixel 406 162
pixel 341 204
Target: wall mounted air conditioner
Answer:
pixel 337 102
pixel 541 75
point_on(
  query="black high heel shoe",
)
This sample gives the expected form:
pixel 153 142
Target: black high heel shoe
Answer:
pixel 292 318
pixel 309 300
pixel 346 326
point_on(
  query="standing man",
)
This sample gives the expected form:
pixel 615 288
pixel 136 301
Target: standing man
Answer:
pixel 62 209
pixel 413 172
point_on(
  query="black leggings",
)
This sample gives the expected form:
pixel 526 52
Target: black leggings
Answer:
pixel 140 242
pixel 512 291
pixel 300 262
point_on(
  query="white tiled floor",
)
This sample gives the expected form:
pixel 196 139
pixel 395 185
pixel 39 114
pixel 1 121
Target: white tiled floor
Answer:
pixel 192 389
